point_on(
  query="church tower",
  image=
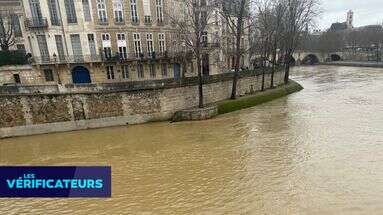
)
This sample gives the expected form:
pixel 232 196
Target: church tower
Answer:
pixel 350 19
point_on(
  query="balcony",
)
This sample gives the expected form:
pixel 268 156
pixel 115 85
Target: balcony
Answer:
pixel 46 60
pixel 103 21
pixel 36 22
pixel 110 58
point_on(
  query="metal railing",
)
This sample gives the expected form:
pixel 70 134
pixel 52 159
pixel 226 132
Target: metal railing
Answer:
pixel 110 57
pixel 36 22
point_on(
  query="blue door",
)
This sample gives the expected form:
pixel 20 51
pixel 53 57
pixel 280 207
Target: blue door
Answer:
pixel 80 75
pixel 177 71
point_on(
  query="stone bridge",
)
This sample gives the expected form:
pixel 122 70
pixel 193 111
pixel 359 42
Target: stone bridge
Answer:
pixel 309 58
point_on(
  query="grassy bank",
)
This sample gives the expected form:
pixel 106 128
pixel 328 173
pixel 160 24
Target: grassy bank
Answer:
pixel 227 106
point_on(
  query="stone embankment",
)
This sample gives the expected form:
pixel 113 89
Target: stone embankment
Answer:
pixel 37 113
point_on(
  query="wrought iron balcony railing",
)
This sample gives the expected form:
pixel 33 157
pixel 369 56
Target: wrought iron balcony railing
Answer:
pixel 110 57
pixel 36 22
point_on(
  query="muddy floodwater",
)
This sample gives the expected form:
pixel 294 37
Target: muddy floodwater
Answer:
pixel 318 151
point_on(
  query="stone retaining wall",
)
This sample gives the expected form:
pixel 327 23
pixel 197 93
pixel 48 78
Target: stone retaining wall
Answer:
pixel 34 114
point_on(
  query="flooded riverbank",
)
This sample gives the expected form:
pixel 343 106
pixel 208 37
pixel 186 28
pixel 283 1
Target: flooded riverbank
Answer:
pixel 318 151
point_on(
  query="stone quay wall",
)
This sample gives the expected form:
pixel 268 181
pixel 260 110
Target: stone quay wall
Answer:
pixel 27 114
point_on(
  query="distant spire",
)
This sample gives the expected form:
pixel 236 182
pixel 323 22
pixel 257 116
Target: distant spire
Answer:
pixel 350 19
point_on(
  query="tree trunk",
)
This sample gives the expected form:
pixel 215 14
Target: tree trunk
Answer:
pixel 238 48
pixel 287 65
pixel 263 77
pixel 236 75
pixel 274 60
pixel 287 71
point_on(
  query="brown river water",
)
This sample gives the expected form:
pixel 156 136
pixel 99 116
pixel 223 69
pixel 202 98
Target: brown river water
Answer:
pixel 318 151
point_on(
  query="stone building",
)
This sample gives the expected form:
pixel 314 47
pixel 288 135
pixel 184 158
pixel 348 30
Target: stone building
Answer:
pixel 106 41
pixel 341 26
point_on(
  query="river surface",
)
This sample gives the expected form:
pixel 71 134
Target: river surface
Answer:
pixel 318 151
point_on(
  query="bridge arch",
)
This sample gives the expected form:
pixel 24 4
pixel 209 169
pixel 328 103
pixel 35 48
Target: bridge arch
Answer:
pixel 335 57
pixel 310 59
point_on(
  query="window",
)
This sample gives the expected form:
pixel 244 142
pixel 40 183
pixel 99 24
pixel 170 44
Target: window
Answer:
pixel 152 69
pixel 76 47
pixel 140 71
pixel 70 11
pixel 16 25
pixel 107 52
pixel 35 10
pixel 60 47
pixel 48 75
pixel 101 11
pixel 20 47
pixel 52 5
pixel 133 9
pixel 164 70
pixel 122 52
pixel 147 13
pixel 137 44
pixel 110 72
pixel 16 77
pixel 161 42
pixel 118 11
pixel 159 11
pixel 122 47
pixel 43 47
pixel 106 44
pixel 86 8
pixel 105 37
pixel 149 44
pixel 121 37
pixel 125 71
pixel 92 45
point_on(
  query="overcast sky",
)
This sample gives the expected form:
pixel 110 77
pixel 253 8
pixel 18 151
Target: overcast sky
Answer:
pixel 366 12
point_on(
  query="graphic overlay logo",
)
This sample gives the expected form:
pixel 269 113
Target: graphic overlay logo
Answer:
pixel 55 181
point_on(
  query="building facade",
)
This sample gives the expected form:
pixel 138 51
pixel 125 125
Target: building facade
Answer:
pixel 106 41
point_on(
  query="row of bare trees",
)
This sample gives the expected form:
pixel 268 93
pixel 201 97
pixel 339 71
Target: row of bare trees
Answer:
pixel 333 41
pixel 279 28
pixel 272 27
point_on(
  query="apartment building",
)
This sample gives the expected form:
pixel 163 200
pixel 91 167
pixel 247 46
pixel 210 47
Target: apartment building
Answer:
pixel 104 41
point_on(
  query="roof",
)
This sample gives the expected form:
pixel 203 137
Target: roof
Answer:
pixel 338 26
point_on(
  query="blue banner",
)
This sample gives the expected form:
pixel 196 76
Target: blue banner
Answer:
pixel 55 181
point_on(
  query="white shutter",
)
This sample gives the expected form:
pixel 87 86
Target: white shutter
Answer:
pixel 146 7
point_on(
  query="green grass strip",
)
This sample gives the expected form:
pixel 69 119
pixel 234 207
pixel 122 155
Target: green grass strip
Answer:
pixel 229 105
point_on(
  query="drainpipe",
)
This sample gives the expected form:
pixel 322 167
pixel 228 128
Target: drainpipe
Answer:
pixel 62 28
pixel 64 36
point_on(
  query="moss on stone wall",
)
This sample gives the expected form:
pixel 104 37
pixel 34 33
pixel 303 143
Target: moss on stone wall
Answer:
pixel 104 105
pixel 227 106
pixel 48 109
pixel 11 113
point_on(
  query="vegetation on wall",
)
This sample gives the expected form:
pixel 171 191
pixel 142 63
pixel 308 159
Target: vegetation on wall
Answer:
pixel 227 106
pixel 12 58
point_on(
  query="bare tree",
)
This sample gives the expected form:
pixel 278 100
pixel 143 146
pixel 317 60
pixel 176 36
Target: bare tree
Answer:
pixel 191 23
pixel 7 30
pixel 299 14
pixel 235 13
pixel 266 33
